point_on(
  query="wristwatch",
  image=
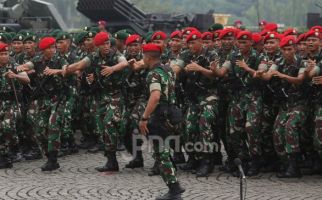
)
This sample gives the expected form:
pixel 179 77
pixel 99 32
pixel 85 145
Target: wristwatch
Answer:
pixel 144 119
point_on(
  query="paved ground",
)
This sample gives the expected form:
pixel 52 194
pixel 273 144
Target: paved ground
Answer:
pixel 77 179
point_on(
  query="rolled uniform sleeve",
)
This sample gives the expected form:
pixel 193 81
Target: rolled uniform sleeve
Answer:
pixel 317 70
pixel 87 61
pixel 227 64
pixel 30 65
pixel 274 67
pixel 154 81
pixel 179 62
pixel 121 59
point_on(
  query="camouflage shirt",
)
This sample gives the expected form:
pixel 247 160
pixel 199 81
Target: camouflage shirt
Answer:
pixel 110 84
pixel 197 86
pixel 71 80
pixel 6 89
pixel 47 85
pixel 285 91
pixel 162 78
pixel 239 80
pixel 135 81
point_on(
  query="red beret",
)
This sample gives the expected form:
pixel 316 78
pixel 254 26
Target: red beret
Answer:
pixel 271 27
pixel 317 28
pixel 227 32
pixel 256 37
pixel 193 36
pixel 207 36
pixel 3 47
pixel 301 38
pixel 100 38
pixel 287 41
pixel 151 48
pixel 264 32
pixel 102 22
pixel 290 31
pixel 46 42
pixel 217 33
pixel 133 39
pixel 244 35
pixel 262 22
pixel 176 34
pixel 312 33
pixel 159 35
pixel 272 35
pixel 189 30
pixel 238 22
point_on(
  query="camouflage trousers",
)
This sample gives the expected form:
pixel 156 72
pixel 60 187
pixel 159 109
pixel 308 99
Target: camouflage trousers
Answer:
pixel 8 116
pixel 86 107
pixel 317 138
pixel 157 126
pixel 199 125
pixel 69 115
pixel 270 111
pixel 167 171
pixel 109 118
pixel 47 116
pixel 288 126
pixel 130 122
pixel 244 118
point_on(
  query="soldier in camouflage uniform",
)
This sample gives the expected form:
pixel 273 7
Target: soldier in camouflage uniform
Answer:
pixel 48 103
pixel 17 48
pixel 202 103
pixel 87 95
pixel 271 55
pixel 314 69
pixel 10 98
pixel 245 101
pixel 63 43
pixel 207 40
pixel 136 95
pixel 175 48
pixel 108 72
pixel 160 38
pixel 120 37
pixel 31 149
pixel 160 81
pixel 290 121
pixel 226 43
pixel 17 55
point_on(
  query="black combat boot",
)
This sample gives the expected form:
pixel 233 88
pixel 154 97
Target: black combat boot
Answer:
pixel 72 145
pixel 178 158
pixel 317 167
pixel 111 164
pixel 174 193
pixel 64 149
pixel 88 142
pixel 52 163
pixel 254 166
pixel 206 166
pixel 217 156
pixel 15 154
pixel 5 162
pixel 270 163
pixel 33 154
pixel 293 169
pixel 137 162
pixel 192 163
pixel 99 146
pixel 155 170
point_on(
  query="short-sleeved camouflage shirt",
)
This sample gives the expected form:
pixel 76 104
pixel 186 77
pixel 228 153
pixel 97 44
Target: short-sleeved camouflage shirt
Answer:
pixel 109 84
pixel 162 78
